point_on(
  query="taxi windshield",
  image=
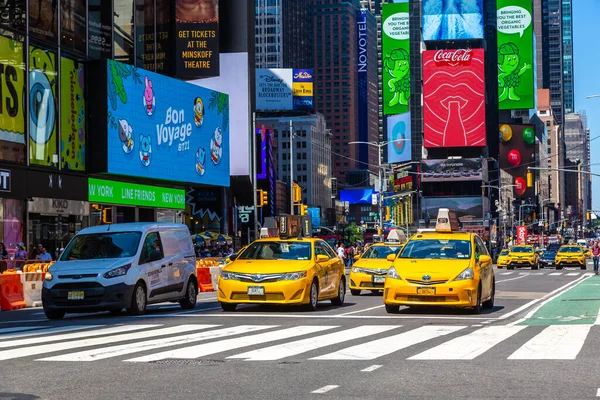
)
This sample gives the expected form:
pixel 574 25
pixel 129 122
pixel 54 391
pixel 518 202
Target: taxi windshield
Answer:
pixel 522 250
pixel 437 249
pixel 277 251
pixel 504 253
pixel 381 251
pixel 570 249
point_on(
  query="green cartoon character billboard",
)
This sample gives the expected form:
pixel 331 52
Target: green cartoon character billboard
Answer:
pixel 515 55
pixel 396 58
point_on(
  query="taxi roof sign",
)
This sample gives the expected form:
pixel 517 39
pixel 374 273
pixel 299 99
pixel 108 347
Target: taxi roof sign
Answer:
pixel 396 236
pixel 446 221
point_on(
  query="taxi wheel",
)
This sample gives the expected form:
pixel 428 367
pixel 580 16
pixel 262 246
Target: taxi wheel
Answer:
pixel 509 267
pixel 191 294
pixel 313 297
pixel 477 307
pixel 138 300
pixel 355 292
pixel 584 266
pixel 339 299
pixel 228 306
pixel 392 309
pixel 488 305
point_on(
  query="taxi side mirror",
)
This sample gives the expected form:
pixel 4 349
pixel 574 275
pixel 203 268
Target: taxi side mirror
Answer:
pixel 232 257
pixel 322 258
pixel 391 257
pixel 484 259
pixel 356 257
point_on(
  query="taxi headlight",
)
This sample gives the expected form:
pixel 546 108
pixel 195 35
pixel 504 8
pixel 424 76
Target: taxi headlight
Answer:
pixel 113 273
pixel 48 276
pixel 228 275
pixel 358 270
pixel 465 275
pixel 293 276
pixel 393 274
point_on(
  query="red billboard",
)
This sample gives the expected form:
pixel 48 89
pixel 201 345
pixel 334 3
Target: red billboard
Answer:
pixel 454 98
pixel 521 235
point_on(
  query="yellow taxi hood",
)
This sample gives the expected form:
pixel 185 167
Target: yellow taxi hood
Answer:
pixel 268 266
pixel 372 263
pixel 415 269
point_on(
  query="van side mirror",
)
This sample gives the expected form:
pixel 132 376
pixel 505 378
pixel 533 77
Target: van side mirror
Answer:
pixel 391 257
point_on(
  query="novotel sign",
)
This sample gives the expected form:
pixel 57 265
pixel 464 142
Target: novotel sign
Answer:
pixel 452 56
pixel 362 41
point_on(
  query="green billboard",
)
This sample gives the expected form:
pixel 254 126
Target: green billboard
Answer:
pixel 395 40
pixel 131 194
pixel 515 55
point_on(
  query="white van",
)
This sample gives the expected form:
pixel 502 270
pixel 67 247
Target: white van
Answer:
pixel 111 267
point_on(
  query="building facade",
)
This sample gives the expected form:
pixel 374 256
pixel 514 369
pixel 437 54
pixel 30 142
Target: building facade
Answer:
pixel 269 34
pixel 298 49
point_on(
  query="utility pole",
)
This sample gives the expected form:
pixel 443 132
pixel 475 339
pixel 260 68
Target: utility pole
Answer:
pixel 381 209
pixel 291 167
pixel 253 177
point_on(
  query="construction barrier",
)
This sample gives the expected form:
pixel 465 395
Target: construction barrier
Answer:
pixel 214 275
pixel 204 279
pixel 32 288
pixel 11 292
pixel 24 265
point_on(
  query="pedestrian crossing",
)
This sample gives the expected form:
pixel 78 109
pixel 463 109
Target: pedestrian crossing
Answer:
pixel 548 273
pixel 148 343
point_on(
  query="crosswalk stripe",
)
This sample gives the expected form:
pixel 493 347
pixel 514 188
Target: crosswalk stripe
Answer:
pixel 469 346
pixel 52 347
pixel 556 342
pixel 19 329
pixel 555 274
pixel 537 274
pixel 115 351
pixel 305 345
pixel 45 332
pixel 390 344
pixel 231 344
pixel 573 274
pixel 506 273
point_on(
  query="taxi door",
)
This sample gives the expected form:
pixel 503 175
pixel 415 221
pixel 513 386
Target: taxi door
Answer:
pixel 326 281
pixel 337 269
pixel 485 269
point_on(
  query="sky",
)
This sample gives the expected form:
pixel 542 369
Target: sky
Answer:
pixel 586 53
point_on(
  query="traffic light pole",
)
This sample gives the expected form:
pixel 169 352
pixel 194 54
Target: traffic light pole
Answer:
pixel 291 167
pixel 253 177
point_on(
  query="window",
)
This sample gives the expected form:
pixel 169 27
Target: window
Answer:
pixel 99 38
pixel 123 30
pixel 152 250
pixel 144 34
pixel 102 245
pixel 480 247
pixel 43 17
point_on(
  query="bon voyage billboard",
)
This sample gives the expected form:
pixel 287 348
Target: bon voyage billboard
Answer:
pixel 454 98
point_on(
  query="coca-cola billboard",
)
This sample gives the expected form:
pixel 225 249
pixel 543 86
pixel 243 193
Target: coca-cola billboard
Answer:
pixel 454 98
pixel 521 235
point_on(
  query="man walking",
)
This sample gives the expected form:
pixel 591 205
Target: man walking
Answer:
pixel 596 255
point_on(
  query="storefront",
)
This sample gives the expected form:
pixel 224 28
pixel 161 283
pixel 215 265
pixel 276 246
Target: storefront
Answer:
pixel 13 192
pixel 120 202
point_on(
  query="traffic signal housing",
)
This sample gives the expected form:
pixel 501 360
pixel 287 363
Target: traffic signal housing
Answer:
pixel 303 209
pixel 263 198
pixel 107 215
pixel 297 193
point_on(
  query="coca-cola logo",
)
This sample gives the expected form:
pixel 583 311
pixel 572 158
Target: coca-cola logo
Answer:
pixel 452 56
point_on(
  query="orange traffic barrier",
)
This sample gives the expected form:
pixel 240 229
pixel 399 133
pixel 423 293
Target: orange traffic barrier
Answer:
pixel 204 279
pixel 11 292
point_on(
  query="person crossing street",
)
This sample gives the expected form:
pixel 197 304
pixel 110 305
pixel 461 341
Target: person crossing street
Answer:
pixel 596 256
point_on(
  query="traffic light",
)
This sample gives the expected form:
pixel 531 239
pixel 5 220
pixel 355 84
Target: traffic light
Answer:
pixel 297 193
pixel 107 215
pixel 529 179
pixel 388 214
pixel 587 216
pixel 263 198
pixel 303 209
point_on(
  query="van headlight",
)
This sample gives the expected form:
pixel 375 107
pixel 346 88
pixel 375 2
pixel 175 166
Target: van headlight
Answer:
pixel 393 274
pixel 48 276
pixel 465 275
pixel 293 276
pixel 113 273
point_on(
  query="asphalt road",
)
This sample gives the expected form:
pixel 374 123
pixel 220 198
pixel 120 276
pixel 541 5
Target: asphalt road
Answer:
pixel 528 346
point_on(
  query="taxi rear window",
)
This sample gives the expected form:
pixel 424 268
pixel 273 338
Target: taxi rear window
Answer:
pixel 277 251
pixel 437 249
pixel 522 250
pixel 381 251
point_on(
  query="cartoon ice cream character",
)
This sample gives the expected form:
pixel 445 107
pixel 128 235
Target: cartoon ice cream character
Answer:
pixel 199 111
pixel 149 99
pixel 509 74
pixel 216 142
pixel 200 160
pixel 126 136
pixel 397 64
pixel 145 150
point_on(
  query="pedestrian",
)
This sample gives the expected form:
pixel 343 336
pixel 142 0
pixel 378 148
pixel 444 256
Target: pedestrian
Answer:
pixel 3 252
pixel 44 255
pixel 341 253
pixel 596 255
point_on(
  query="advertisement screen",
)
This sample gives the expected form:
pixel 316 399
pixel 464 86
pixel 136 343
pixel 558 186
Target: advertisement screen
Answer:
pixel 454 98
pixel 42 107
pixel 12 115
pixel 452 19
pixel 72 116
pixel 466 207
pixel 399 138
pixel 197 38
pixel 302 89
pixel 465 169
pixel 517 152
pixel 406 178
pixel 395 39
pixel 357 196
pixel 162 128
pixel 515 55
pixel 113 192
pixel 284 89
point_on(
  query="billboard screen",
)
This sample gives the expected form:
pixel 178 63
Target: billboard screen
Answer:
pixel 395 41
pixel 454 98
pixel 357 196
pixel 517 152
pixel 515 55
pixel 163 128
pixel 196 38
pixel 72 117
pixel 465 169
pixel 466 207
pixel 284 89
pixel 452 19
pixel 399 138
pixel 406 178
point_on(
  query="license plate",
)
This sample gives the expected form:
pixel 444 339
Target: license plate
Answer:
pixel 78 295
pixel 256 290
pixel 378 278
pixel 426 291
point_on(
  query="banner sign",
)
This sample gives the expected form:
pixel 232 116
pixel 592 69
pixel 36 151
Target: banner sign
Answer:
pixel 72 116
pixel 395 41
pixel 399 138
pixel 125 193
pixel 516 88
pixel 12 115
pixel 284 89
pixel 464 169
pixel 452 19
pixel 454 98
pixel 362 70
pixel 521 235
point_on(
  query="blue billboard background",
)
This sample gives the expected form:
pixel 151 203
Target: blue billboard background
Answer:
pixel 357 196
pixel 163 128
pixel 452 19
pixel 398 134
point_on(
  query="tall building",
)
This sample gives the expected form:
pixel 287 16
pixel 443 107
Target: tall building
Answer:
pixel 269 34
pixel 298 48
pixel 567 56
pixel 577 143
pixel 336 67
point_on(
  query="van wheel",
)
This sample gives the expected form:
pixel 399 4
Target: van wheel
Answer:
pixel 54 314
pixel 138 300
pixel 228 306
pixel 191 294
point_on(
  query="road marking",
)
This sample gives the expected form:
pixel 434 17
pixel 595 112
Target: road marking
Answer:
pixel 555 274
pixel 506 273
pixel 305 345
pixel 469 346
pixel 573 274
pixel 321 316
pixel 556 342
pixel 524 273
pixel 231 344
pixel 371 368
pixel 512 279
pixel 23 321
pixel 325 389
pixel 390 344
pixel 598 393
pixel 537 274
pixel 19 329
pixel 52 347
pixel 48 330
pixel 115 351
pixel 359 311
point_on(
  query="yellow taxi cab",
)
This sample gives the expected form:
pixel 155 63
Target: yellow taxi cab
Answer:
pixel 441 268
pixel 503 259
pixel 298 271
pixel 370 268
pixel 570 255
pixel 522 256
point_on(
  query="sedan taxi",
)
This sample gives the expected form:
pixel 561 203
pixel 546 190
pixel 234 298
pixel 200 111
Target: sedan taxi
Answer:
pixel 570 256
pixel 522 256
pixel 441 268
pixel 503 259
pixel 370 269
pixel 299 271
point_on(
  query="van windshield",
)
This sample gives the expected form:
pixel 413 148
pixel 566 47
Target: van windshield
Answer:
pixel 102 245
